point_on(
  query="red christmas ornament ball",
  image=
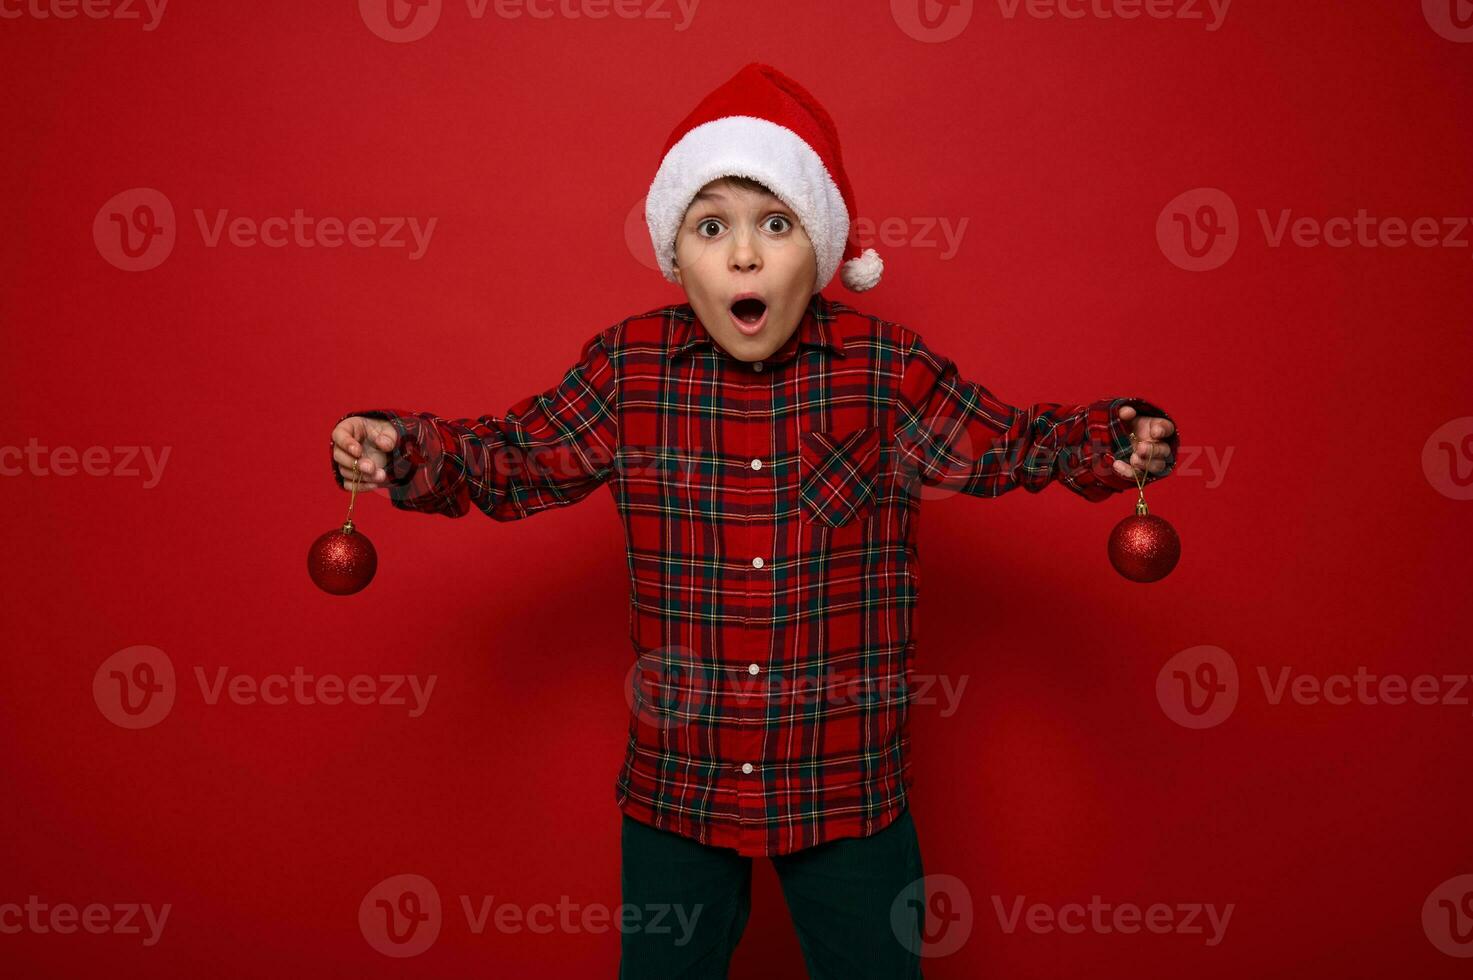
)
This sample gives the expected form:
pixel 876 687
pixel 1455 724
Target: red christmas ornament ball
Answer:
pixel 1144 547
pixel 342 561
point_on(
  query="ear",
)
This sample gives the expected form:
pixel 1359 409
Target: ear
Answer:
pixel 675 271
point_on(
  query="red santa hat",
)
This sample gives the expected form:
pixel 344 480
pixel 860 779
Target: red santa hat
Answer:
pixel 763 125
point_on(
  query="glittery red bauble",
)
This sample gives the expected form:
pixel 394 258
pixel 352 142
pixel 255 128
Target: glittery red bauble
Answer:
pixel 1144 548
pixel 342 561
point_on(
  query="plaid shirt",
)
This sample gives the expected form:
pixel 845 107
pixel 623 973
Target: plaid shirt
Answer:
pixel 770 511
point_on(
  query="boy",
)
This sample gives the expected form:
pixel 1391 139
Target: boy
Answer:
pixel 767 449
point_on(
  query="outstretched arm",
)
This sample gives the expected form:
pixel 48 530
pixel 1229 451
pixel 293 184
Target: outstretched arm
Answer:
pixel 955 434
pixel 549 450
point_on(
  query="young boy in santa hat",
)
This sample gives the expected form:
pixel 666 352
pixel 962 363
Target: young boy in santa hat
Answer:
pixel 767 448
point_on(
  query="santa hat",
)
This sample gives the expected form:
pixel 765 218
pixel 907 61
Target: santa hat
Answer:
pixel 763 125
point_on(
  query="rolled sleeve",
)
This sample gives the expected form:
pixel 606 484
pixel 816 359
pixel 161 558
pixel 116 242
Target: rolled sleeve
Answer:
pixel 547 450
pixel 1109 440
pixel 954 433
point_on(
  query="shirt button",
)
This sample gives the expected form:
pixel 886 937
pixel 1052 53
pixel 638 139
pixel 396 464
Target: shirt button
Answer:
pixel 756 562
pixel 756 464
pixel 746 767
pixel 756 365
pixel 753 668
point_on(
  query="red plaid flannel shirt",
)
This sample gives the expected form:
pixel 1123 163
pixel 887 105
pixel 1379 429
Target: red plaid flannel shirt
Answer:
pixel 770 510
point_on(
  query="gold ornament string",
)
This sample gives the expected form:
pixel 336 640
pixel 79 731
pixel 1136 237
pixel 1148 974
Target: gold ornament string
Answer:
pixel 1140 482
pixel 353 496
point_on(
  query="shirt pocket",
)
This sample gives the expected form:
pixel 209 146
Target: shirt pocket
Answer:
pixel 837 474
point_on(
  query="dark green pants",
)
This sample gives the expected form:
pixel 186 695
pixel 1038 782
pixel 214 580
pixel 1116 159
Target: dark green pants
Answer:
pixel 857 903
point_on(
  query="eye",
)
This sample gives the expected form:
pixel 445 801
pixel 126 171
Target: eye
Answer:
pixel 707 223
pixel 786 224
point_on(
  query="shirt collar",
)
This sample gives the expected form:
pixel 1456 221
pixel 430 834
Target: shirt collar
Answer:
pixel 821 326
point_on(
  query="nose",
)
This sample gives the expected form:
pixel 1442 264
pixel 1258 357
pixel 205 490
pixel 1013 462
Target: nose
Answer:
pixel 745 256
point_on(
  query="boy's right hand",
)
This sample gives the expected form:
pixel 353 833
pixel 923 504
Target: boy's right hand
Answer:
pixel 370 440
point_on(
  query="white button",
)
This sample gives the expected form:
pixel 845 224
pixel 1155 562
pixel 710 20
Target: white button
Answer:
pixel 756 365
pixel 746 767
pixel 753 668
pixel 756 562
pixel 756 464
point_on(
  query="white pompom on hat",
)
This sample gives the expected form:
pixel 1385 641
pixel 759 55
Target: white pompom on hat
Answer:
pixel 763 125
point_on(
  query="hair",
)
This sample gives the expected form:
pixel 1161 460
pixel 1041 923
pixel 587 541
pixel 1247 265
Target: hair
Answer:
pixel 747 183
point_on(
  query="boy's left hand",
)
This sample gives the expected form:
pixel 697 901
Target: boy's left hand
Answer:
pixel 1151 451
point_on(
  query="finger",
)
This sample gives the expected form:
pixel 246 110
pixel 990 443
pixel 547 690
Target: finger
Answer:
pixel 1127 412
pixel 374 464
pixel 383 435
pixel 345 437
pixel 364 483
pixel 1154 463
pixel 375 460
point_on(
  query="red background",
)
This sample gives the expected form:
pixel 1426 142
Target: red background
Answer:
pixel 1323 546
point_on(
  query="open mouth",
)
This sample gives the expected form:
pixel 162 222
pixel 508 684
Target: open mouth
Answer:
pixel 749 314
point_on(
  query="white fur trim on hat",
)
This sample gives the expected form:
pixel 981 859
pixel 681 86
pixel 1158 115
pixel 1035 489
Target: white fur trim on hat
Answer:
pixel 762 150
pixel 864 272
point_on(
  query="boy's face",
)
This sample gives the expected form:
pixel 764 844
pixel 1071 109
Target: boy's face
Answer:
pixel 737 241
